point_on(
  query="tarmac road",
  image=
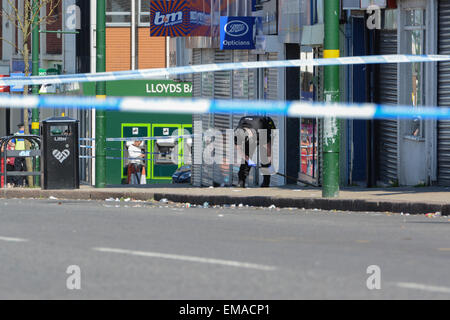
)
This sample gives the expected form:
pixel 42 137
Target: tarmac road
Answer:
pixel 141 250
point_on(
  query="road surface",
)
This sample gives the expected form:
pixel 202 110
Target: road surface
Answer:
pixel 55 249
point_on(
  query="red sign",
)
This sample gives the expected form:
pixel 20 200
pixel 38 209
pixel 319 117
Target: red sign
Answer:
pixel 4 88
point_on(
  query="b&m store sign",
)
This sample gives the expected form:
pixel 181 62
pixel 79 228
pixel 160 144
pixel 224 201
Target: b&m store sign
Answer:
pixel 169 18
pixel 180 18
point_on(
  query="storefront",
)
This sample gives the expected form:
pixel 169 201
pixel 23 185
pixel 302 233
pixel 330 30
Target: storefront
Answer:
pixel 310 86
pixel 159 157
pixel 265 83
pixel 240 84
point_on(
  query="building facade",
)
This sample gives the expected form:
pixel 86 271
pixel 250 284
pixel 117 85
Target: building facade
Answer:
pixel 56 54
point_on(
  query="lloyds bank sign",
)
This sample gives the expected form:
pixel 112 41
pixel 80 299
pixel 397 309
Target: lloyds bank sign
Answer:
pixel 168 88
pixel 143 88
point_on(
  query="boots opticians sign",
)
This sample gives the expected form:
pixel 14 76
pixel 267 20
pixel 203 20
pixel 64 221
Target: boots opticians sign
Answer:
pixel 237 33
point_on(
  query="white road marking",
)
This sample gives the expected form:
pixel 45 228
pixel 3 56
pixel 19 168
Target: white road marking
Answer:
pixel 188 258
pixel 9 239
pixel 418 286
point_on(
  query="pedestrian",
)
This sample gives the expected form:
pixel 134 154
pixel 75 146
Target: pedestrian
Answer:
pixel 9 163
pixel 19 162
pixel 248 132
pixel 135 161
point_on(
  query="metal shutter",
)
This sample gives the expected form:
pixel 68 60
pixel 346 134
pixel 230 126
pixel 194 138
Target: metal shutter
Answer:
pixel 386 88
pixel 244 88
pixel 444 94
pixel 207 119
pixel 320 97
pixel 203 87
pixel 196 93
pixel 222 121
pixel 272 94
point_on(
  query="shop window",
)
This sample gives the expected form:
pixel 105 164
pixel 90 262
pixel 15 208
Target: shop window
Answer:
pixel 389 19
pixel 118 12
pixel 414 77
pixel 144 13
pixel 309 154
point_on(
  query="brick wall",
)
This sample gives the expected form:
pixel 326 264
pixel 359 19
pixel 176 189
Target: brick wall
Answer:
pixel 54 41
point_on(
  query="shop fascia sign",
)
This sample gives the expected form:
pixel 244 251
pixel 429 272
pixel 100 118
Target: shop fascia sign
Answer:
pixel 180 18
pixel 168 88
pixel 237 33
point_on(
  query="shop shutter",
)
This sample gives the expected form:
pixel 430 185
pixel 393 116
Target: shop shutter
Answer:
pixel 320 98
pixel 444 94
pixel 244 88
pixel 196 93
pixel 222 121
pixel 151 50
pixel 118 49
pixel 207 119
pixel 386 93
pixel 272 94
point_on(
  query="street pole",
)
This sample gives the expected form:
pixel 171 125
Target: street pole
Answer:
pixel 100 121
pixel 331 139
pixel 35 72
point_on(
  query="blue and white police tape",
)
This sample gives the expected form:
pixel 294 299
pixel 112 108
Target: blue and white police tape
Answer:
pixel 163 72
pixel 186 136
pixel 201 106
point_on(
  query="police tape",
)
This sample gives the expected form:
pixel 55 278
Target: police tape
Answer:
pixel 186 136
pixel 164 72
pixel 202 106
pixel 119 149
pixel 119 158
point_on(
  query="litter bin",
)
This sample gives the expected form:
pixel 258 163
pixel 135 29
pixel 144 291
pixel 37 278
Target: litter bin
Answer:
pixel 60 155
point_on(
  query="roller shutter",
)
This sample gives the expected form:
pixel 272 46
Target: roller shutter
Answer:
pixel 222 121
pixel 238 84
pixel 444 94
pixel 244 87
pixel 271 93
pixel 207 119
pixel 386 93
pixel 196 93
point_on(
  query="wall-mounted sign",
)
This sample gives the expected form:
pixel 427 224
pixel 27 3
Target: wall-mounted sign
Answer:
pixel 143 88
pixel 180 18
pixel 169 18
pixel 237 33
pixel 17 88
pixel 168 88
pixel 4 88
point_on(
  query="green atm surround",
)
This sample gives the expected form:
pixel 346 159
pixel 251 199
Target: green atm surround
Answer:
pixel 164 171
pixel 117 122
pixel 120 124
pixel 143 131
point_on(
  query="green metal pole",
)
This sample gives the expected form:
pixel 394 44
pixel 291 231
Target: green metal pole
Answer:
pixel 331 140
pixel 100 121
pixel 35 72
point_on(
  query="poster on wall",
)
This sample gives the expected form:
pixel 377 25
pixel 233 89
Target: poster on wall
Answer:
pixel 308 147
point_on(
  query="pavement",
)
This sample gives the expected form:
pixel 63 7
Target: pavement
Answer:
pixel 407 200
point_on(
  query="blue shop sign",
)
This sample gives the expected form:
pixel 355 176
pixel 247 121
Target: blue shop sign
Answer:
pixel 18 88
pixel 237 33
